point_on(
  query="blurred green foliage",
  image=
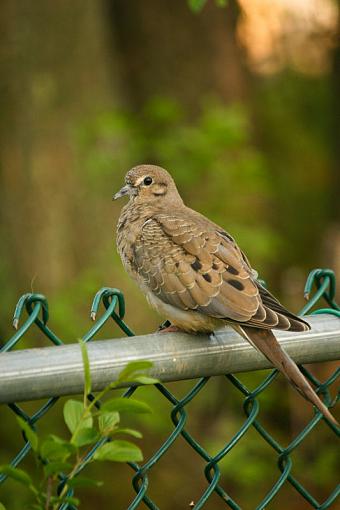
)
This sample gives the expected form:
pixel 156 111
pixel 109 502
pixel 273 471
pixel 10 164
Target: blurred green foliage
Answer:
pixel 197 5
pixel 212 158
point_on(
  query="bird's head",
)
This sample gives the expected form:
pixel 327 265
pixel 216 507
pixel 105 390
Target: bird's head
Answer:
pixel 149 183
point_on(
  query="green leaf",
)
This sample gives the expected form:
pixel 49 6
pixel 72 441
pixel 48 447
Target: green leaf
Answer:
pixel 71 500
pixel 56 499
pixel 126 405
pixel 221 3
pixel 80 481
pixel 16 474
pixel 56 449
pixel 86 435
pixel 144 379
pixel 2 507
pixel 132 367
pixel 86 364
pixel 119 451
pixel 74 415
pixel 55 468
pixel 130 432
pixel 196 5
pixel 108 421
pixel 65 499
pixel 29 433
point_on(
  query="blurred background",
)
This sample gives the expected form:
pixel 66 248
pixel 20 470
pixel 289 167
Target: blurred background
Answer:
pixel 242 105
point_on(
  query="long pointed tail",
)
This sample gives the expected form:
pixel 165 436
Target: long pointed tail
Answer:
pixel 266 342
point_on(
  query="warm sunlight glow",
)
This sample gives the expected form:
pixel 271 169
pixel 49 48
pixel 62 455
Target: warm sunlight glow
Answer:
pixel 295 33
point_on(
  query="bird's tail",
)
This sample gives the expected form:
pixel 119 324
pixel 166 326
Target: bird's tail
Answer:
pixel 266 342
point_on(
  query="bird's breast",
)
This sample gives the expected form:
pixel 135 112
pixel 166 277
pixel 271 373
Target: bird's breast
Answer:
pixel 128 231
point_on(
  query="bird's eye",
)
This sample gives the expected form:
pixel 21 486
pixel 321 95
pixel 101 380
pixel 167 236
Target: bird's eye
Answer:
pixel 147 181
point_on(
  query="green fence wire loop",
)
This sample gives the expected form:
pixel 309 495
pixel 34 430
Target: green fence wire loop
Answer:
pixel 110 298
pixel 324 280
pixel 36 307
pixel 108 295
pixel 28 300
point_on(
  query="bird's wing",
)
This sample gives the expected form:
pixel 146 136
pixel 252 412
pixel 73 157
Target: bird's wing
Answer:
pixel 270 302
pixel 190 264
pixel 195 268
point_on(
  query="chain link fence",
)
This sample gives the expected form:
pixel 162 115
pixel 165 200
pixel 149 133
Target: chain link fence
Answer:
pixel 36 307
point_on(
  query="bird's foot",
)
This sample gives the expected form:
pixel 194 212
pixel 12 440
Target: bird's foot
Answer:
pixel 167 327
pixel 170 329
pixel 213 337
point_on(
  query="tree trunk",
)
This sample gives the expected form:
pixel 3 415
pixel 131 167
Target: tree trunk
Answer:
pixel 54 71
pixel 165 49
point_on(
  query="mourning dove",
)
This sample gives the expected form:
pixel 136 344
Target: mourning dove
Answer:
pixel 193 273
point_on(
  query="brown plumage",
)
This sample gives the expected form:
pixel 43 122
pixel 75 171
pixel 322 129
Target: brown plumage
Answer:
pixel 194 274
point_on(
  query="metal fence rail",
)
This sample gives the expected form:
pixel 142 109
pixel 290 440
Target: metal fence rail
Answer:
pixel 55 371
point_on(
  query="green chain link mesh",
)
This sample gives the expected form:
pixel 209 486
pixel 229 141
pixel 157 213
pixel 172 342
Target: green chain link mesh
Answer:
pixel 113 301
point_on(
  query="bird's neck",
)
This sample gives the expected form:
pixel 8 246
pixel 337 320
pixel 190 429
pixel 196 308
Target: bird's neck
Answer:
pixel 136 212
pixel 131 219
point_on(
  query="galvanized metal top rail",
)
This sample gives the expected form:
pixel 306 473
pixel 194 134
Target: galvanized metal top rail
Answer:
pixel 53 371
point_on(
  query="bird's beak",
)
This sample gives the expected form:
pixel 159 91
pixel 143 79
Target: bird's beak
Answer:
pixel 126 190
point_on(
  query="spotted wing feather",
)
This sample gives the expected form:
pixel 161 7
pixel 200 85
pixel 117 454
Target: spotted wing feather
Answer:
pixel 192 267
